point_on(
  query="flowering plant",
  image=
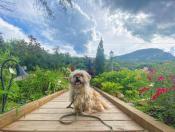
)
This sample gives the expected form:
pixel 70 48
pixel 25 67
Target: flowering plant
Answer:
pixel 161 94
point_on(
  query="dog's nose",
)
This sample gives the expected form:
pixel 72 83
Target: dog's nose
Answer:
pixel 77 78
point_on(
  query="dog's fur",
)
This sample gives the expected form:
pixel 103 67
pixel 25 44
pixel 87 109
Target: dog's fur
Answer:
pixel 86 99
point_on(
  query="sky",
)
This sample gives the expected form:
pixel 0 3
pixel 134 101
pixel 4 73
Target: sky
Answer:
pixel 124 25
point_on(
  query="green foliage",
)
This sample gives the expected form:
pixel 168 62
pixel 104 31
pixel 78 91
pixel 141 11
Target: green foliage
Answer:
pixel 125 81
pixel 162 101
pixel 40 83
pixel 111 87
pixel 31 54
pixel 141 88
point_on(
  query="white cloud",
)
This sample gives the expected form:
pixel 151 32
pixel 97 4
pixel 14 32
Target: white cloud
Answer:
pixel 10 31
pixel 69 49
pixel 162 42
pixel 82 27
pixel 118 38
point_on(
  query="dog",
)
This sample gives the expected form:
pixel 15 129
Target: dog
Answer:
pixel 84 98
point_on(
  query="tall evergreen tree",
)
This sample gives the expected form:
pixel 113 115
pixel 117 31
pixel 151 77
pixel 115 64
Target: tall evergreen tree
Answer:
pixel 100 59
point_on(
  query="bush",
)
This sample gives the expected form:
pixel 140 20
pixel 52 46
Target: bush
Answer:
pixel 152 91
pixel 112 88
pixel 38 84
pixel 161 94
pixel 125 81
pixel 41 82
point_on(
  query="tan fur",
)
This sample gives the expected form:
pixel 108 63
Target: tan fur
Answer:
pixel 86 99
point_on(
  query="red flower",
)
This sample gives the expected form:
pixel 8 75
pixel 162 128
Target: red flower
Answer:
pixel 160 78
pixel 143 90
pixel 159 91
pixel 154 97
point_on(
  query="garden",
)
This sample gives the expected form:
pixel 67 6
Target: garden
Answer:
pixel 151 90
pixel 127 47
pixel 148 87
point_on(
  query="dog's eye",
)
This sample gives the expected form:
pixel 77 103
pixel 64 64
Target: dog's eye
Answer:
pixel 78 75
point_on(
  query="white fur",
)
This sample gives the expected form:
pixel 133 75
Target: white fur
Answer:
pixel 86 99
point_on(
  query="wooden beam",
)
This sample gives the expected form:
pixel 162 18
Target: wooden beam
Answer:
pixel 13 115
pixel 141 118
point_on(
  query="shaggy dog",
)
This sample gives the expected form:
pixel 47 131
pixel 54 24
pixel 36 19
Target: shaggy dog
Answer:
pixel 84 98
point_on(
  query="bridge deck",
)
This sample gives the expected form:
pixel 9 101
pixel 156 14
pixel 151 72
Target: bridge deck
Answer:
pixel 46 119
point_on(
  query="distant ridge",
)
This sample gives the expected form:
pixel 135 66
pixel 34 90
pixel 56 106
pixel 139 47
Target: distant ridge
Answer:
pixel 146 55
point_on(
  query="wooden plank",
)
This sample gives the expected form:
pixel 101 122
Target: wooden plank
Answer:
pixel 64 110
pixel 59 101
pixel 55 126
pixel 55 117
pixel 57 105
pixel 51 111
pixel 46 119
pixel 12 116
pixel 141 118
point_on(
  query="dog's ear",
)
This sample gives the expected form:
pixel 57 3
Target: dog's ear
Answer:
pixel 89 76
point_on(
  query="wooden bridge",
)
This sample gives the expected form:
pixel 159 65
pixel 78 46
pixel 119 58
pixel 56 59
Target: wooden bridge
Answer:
pixel 43 115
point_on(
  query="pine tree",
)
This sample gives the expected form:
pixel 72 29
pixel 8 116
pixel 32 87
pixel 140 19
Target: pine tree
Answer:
pixel 100 59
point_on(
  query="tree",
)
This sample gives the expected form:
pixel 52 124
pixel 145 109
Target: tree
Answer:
pixel 100 59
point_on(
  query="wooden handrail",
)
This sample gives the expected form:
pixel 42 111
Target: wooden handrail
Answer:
pixel 13 115
pixel 141 118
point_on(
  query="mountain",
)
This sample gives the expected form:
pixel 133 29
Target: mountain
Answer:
pixel 146 55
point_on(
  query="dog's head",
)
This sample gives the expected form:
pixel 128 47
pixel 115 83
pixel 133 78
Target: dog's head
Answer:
pixel 79 78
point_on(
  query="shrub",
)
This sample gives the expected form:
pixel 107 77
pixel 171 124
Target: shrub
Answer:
pixel 161 94
pixel 38 84
pixel 112 88
pixel 124 81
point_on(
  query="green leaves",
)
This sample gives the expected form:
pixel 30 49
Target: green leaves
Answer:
pixel 111 87
pixel 38 84
pixel 41 82
pixel 126 81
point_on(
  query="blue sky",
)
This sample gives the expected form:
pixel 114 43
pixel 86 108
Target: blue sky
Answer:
pixel 125 26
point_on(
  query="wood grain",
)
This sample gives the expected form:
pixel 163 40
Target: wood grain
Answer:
pixel 45 119
pixel 13 115
pixel 55 126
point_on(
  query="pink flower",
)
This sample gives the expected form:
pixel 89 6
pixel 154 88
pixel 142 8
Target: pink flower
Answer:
pixel 160 78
